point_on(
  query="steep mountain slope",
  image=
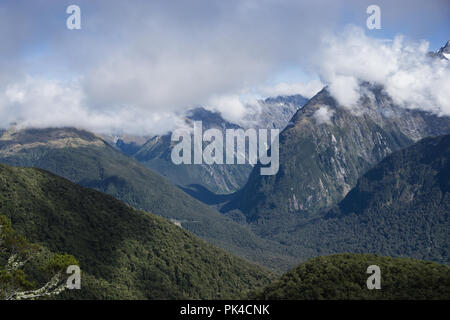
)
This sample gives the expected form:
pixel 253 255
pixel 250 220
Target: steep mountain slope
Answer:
pixel 86 159
pixel 323 153
pixel 276 112
pixel 123 253
pixel 399 208
pixel 344 276
pixel 155 154
pixel 442 53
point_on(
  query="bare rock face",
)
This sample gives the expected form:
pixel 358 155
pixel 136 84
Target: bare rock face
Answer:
pixel 156 155
pixel 221 179
pixel 323 152
pixel 442 53
pixel 276 112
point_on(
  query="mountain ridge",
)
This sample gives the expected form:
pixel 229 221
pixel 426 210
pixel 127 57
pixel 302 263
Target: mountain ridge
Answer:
pixel 320 161
pixel 104 168
pixel 274 112
pixel 123 253
pixel 399 208
pixel 344 277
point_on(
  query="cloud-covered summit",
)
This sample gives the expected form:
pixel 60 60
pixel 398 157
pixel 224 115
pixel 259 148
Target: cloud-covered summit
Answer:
pixel 411 77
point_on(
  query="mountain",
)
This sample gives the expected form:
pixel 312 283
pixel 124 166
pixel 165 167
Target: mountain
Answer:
pixel 156 155
pixel 221 179
pixel 344 277
pixel 123 253
pixel 442 53
pixel 86 159
pixel 323 152
pixel 399 208
pixel 276 112
pixel 128 144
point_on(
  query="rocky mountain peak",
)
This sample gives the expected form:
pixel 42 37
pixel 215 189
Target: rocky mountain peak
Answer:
pixel 442 53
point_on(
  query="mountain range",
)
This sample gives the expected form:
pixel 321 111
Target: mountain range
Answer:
pixel 354 182
pixel 220 179
pixel 398 208
pixel 323 151
pixel 88 160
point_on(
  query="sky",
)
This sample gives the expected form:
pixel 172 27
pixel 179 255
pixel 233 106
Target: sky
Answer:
pixel 136 66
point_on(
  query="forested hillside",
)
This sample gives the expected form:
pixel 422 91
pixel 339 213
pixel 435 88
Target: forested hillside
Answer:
pixel 344 276
pixel 123 253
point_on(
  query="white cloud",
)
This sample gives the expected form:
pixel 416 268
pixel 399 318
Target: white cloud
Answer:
pixel 408 75
pixel 136 66
pixel 345 89
pixel 323 115
pixel 235 109
pixel 41 103
pixel 306 89
pixel 230 106
pixel 140 63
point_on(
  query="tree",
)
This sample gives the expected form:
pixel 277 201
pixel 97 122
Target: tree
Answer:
pixel 15 253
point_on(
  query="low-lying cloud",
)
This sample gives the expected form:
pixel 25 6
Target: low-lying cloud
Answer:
pixel 408 75
pixel 323 115
pixel 306 89
pixel 42 103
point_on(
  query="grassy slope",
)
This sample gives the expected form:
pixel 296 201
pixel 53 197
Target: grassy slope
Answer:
pixel 344 276
pixel 123 253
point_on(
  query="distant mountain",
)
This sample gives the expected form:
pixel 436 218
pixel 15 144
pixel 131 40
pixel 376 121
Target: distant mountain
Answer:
pixel 128 144
pixel 443 52
pixel 276 112
pixel 156 155
pixel 344 277
pixel 323 152
pixel 123 253
pixel 86 159
pixel 222 179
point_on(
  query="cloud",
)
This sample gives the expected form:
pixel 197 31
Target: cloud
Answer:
pixel 235 109
pixel 306 89
pixel 137 66
pixel 411 78
pixel 323 115
pixel 230 106
pixel 41 103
